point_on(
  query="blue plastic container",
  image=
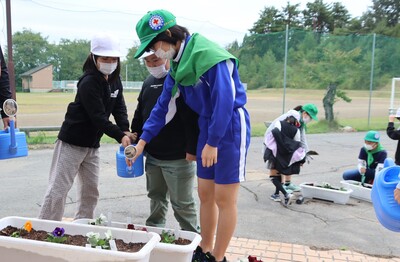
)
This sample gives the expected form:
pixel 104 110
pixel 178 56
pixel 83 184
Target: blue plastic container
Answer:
pixel 388 162
pixel 12 143
pixel 123 170
pixel 386 208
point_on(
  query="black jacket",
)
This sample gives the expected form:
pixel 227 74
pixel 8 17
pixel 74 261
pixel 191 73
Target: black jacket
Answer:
pixel 286 146
pixel 87 118
pixel 395 135
pixel 176 138
pixel 5 92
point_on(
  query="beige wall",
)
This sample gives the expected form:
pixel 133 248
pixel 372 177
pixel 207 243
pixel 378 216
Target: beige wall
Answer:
pixel 39 81
pixel 42 79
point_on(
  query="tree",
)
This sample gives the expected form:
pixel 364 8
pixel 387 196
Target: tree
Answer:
pixel 317 17
pixel 332 71
pixel 291 15
pixel 29 51
pixel 68 58
pixel 136 69
pixel 340 16
pixel 270 21
pixel 387 11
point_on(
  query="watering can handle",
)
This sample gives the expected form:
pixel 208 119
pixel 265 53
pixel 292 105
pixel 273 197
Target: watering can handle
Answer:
pixel 13 144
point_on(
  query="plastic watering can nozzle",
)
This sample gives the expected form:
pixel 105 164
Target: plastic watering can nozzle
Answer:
pixel 130 152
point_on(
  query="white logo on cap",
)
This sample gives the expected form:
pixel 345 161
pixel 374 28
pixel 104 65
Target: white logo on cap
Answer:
pixel 156 22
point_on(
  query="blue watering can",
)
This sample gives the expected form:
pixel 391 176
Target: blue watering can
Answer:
pixel 386 208
pixel 12 141
pixel 123 170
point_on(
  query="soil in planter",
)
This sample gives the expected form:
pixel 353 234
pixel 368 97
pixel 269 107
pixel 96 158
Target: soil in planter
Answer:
pixel 182 241
pixel 179 241
pixel 76 240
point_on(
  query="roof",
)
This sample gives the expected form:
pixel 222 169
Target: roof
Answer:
pixel 34 70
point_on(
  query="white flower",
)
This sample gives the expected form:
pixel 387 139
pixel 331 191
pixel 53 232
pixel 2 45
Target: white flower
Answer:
pixel 93 238
pixel 101 220
pixel 108 235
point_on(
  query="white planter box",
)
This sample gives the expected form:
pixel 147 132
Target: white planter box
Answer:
pixel 18 249
pixel 308 190
pixel 359 191
pixel 162 251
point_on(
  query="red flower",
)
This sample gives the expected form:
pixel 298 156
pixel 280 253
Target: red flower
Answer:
pixel 131 226
pixel 254 259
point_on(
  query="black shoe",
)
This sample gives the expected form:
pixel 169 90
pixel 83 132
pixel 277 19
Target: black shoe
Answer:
pixel 198 255
pixel 209 258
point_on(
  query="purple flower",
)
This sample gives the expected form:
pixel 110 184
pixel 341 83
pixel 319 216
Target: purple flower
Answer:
pixel 58 232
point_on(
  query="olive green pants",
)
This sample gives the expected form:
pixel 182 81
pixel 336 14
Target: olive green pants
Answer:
pixel 171 180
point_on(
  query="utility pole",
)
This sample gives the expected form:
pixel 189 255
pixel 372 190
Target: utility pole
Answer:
pixel 10 65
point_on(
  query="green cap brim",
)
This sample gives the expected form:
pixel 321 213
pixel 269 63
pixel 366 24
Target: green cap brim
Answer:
pixel 143 45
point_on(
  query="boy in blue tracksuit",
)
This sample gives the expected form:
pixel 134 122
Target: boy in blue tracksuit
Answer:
pixel 206 76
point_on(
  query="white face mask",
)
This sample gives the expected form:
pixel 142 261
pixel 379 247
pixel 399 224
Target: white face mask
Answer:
pixel 165 54
pixel 158 71
pixel 306 119
pixel 368 147
pixel 107 68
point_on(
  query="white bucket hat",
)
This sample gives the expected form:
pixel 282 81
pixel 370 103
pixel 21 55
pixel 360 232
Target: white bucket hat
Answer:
pixel 105 45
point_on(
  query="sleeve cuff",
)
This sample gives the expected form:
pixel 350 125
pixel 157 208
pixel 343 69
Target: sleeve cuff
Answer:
pixel 146 136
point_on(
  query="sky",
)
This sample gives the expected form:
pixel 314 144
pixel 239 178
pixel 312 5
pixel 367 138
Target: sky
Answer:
pixel 222 21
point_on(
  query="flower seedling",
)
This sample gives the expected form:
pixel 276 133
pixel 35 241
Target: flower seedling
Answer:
pixel 57 236
pixel 329 186
pixel 167 237
pixel 94 239
pixel 27 227
pixel 99 221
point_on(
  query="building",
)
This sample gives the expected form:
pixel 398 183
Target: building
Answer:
pixel 38 79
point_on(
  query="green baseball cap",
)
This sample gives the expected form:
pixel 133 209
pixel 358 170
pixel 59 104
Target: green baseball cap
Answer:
pixel 312 110
pixel 150 25
pixel 372 136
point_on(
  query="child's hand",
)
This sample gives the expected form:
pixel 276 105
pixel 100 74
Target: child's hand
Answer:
pixel 391 118
pixel 397 195
pixel 209 156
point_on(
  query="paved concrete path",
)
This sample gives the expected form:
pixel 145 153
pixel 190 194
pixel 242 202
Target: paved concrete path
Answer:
pixel 315 227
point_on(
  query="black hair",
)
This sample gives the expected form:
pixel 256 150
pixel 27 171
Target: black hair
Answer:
pixel 298 108
pixel 90 66
pixel 291 120
pixel 178 33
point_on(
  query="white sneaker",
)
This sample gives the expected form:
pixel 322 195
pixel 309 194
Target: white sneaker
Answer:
pixel 288 199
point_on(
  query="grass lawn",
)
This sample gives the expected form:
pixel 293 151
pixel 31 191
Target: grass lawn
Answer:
pixel 362 113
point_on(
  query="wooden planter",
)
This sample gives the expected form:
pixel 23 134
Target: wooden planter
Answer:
pixel 18 249
pixel 163 251
pixel 311 190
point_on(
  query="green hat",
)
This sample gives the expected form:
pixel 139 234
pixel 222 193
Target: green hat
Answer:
pixel 372 136
pixel 312 110
pixel 150 25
